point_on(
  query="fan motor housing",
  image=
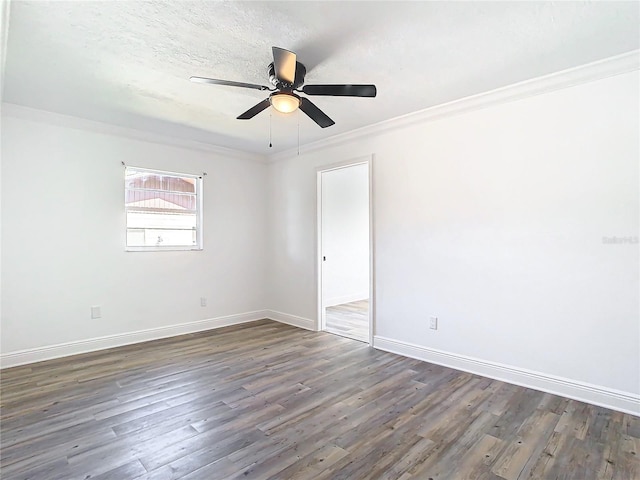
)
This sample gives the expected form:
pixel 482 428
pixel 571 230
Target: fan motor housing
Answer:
pixel 301 71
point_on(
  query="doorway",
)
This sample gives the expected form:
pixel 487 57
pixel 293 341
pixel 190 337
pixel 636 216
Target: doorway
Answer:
pixel 344 248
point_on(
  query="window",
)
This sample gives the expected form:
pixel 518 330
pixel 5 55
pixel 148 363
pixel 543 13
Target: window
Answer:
pixel 164 210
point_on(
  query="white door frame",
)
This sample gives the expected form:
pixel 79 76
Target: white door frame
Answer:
pixel 321 318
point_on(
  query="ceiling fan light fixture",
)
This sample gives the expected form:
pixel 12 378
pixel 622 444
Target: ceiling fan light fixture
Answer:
pixel 286 74
pixel 284 102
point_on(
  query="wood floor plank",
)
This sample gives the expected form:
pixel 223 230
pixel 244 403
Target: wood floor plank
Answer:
pixel 349 320
pixel 478 459
pixel 128 470
pixel 531 439
pixel 265 400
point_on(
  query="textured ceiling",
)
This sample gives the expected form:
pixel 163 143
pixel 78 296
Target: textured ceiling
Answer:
pixel 128 63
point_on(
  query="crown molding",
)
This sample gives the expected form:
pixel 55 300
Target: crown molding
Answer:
pixel 608 67
pixel 5 9
pixel 58 119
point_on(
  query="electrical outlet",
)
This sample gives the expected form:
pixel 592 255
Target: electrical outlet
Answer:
pixel 203 301
pixel 433 323
pixel 96 311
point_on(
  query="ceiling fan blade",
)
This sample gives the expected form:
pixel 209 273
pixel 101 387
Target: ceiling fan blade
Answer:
pixel 284 63
pixel 314 113
pixel 341 90
pixel 256 109
pixel 228 83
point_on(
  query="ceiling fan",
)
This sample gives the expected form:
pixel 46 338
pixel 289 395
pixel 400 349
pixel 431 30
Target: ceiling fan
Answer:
pixel 286 75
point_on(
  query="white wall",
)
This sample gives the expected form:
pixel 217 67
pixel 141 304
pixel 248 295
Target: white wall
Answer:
pixel 63 238
pixel 493 220
pixel 345 235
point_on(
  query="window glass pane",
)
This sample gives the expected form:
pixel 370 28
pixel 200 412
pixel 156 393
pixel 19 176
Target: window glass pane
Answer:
pixel 154 181
pixel 162 210
pixel 161 220
pixel 150 237
pixel 142 200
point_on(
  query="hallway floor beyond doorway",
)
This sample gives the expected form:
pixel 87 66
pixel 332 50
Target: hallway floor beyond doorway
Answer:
pixel 349 320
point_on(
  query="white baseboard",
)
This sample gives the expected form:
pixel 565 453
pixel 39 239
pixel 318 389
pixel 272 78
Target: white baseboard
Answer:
pixel 330 302
pixel 22 357
pixel 294 320
pixel 597 395
pixel 594 394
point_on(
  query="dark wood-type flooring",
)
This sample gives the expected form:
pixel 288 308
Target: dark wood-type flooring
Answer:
pixel 265 400
pixel 349 320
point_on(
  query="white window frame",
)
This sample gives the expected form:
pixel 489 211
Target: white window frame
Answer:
pixel 199 216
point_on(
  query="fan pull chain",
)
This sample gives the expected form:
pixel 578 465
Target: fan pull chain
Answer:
pixel 270 144
pixel 298 132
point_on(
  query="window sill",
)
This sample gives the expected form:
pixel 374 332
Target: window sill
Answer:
pixel 163 249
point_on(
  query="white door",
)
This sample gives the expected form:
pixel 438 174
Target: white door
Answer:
pixel 345 256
